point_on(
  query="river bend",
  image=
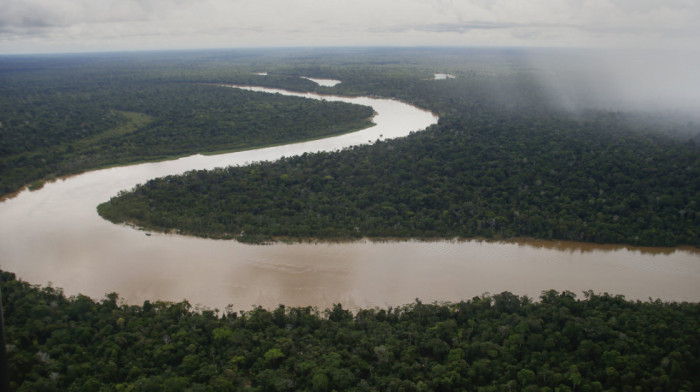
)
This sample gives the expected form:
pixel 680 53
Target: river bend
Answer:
pixel 55 235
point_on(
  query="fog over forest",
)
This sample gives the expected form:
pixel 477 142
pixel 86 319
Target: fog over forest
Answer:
pixel 636 80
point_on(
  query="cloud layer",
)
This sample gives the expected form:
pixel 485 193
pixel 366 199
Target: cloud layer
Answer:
pixel 87 25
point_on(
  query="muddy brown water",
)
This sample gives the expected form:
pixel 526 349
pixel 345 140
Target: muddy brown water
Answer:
pixel 55 235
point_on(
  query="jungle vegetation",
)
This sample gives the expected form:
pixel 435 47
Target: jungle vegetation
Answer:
pixel 592 182
pixel 499 342
pixel 506 160
pixel 62 115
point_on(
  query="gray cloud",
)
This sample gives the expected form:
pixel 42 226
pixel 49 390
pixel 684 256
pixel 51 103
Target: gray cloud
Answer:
pixel 67 13
pixel 462 27
pixel 154 24
pixel 645 80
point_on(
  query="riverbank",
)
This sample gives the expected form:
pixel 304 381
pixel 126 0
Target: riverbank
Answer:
pixel 487 340
pixel 564 246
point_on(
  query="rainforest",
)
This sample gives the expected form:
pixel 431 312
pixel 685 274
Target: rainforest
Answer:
pixel 490 343
pixel 517 151
pixel 506 160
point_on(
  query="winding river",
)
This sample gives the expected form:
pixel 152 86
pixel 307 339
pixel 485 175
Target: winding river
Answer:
pixel 55 235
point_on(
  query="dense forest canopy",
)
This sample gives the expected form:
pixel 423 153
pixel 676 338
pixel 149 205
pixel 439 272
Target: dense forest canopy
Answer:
pixel 489 343
pixel 62 115
pixel 508 159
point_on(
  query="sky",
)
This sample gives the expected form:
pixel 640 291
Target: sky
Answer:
pixel 49 26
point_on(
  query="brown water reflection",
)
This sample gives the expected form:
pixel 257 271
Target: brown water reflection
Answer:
pixel 572 246
pixel 359 274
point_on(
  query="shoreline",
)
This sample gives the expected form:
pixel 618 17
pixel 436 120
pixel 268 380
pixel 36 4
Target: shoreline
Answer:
pixel 553 244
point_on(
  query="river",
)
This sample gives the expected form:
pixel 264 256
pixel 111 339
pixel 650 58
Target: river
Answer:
pixel 55 235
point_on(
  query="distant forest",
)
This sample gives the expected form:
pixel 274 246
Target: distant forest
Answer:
pixel 506 160
pixel 64 115
pixel 498 342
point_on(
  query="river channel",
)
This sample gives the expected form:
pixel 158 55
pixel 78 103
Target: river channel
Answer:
pixel 55 235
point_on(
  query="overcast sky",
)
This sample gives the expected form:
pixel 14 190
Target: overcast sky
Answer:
pixel 38 26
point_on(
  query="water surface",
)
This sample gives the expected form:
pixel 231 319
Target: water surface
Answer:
pixel 323 82
pixel 443 76
pixel 55 235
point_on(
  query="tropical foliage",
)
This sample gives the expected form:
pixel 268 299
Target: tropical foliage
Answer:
pixel 65 118
pixel 504 161
pixel 496 342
